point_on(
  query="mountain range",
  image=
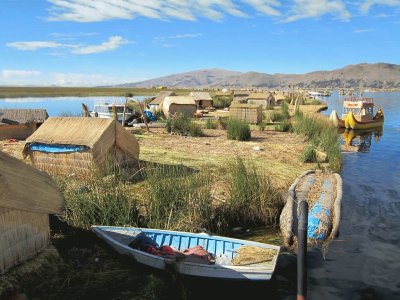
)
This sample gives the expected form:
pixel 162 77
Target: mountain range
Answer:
pixel 379 75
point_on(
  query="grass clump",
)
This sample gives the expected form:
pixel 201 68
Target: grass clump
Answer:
pixel 211 124
pixel 238 130
pixel 177 199
pixel 308 155
pixel 101 201
pixel 252 199
pixel 183 125
pixel 222 102
pixel 285 126
pixel 322 135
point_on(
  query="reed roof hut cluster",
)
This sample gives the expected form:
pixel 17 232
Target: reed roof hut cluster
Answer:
pixel 81 146
pixel 27 197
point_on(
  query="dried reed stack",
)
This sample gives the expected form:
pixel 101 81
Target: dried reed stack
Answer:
pixel 27 197
pixel 105 143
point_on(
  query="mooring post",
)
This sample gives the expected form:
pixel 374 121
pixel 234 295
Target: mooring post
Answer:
pixel 302 251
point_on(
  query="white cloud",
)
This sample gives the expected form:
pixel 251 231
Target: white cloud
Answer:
pixel 358 31
pixel 303 9
pixel 186 36
pixel 7 74
pixel 365 7
pixel 164 41
pixel 113 43
pixel 190 10
pixel 34 45
pixel 265 6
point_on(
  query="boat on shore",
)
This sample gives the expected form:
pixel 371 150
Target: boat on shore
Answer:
pixel 105 110
pixel 323 193
pixel 357 114
pixel 219 257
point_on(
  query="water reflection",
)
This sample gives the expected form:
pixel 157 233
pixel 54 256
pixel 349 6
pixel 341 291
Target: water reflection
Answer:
pixel 361 139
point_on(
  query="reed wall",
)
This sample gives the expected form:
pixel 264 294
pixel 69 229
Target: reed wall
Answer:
pixel 22 235
pixel 18 131
pixel 248 114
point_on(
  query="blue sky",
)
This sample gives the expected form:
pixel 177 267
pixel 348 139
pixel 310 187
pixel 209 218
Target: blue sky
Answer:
pixel 86 42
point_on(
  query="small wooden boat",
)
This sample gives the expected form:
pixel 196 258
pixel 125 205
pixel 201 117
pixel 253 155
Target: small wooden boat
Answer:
pixel 335 120
pixel 323 192
pixel 225 252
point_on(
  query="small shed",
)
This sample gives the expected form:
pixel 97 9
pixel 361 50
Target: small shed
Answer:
pixel 20 123
pixel 250 113
pixel 202 99
pixel 179 104
pixel 279 97
pixel 81 146
pixel 264 99
pixel 241 96
pixel 27 197
pixel 155 103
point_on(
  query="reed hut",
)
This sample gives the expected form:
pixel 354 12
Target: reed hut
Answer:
pixel 241 96
pixel 81 146
pixel 27 197
pixel 264 99
pixel 155 103
pixel 250 113
pixel 202 99
pixel 279 97
pixel 179 104
pixel 20 123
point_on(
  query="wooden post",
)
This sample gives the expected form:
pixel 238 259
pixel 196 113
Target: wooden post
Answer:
pixel 143 115
pixel 123 114
pixel 302 251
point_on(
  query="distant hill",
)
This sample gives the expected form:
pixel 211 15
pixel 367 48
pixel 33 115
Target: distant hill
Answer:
pixel 379 75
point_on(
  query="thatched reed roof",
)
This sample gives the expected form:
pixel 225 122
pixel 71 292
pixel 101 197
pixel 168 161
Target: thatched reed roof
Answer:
pixel 95 133
pixel 223 94
pixel 259 96
pixel 22 116
pixel 279 96
pixel 241 94
pixel 179 100
pixel 25 188
pixel 161 96
pixel 198 96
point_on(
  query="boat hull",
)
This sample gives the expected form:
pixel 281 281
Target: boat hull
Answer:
pixel 257 272
pixel 335 120
pixel 352 123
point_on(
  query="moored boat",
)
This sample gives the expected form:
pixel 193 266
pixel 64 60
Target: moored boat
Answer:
pixel 335 120
pixel 222 257
pixel 352 122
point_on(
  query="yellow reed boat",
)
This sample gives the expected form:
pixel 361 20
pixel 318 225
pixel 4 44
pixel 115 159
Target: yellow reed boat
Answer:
pixel 335 120
pixel 358 113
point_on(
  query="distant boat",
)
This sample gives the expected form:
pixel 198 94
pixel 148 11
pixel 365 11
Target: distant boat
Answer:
pixel 224 250
pixel 105 110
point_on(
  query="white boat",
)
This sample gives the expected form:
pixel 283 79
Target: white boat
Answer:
pixel 224 250
pixel 105 110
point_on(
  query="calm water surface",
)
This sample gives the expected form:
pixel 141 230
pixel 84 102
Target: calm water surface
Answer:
pixel 57 106
pixel 364 262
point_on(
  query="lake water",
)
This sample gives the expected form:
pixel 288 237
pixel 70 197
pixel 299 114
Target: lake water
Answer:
pixel 364 262
pixel 57 106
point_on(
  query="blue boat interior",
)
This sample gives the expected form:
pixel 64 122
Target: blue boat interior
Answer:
pixel 181 241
